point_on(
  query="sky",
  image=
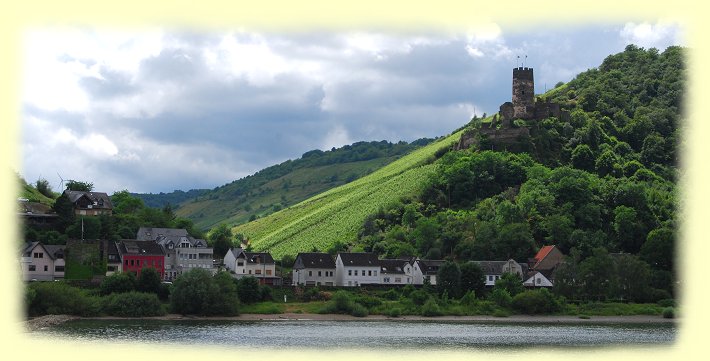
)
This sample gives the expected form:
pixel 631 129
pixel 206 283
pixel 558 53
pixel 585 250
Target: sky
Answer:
pixel 165 109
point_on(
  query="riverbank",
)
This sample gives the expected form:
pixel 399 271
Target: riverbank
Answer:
pixel 51 320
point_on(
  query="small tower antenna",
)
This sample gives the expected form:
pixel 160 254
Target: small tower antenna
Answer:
pixel 517 61
pixel 525 61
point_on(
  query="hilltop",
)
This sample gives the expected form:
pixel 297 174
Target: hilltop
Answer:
pixel 279 186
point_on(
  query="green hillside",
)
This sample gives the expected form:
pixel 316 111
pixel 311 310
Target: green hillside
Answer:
pixel 281 185
pixel 337 215
pixel 30 192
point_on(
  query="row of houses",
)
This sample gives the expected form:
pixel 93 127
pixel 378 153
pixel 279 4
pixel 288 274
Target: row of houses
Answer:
pixel 357 269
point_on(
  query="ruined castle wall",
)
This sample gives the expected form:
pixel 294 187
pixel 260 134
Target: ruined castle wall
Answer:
pixel 523 93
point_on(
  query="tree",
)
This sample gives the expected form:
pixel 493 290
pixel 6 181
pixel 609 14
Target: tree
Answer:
pixel 659 249
pixel 629 229
pixel 196 292
pixel 220 239
pixel 472 278
pixel 148 281
pixel 118 282
pixel 248 290
pixel 74 185
pixel 448 279
pixel 633 278
pixel 583 158
pixel 597 275
pixel 43 187
pixel 509 282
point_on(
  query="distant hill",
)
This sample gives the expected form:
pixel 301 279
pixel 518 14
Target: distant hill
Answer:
pixel 279 186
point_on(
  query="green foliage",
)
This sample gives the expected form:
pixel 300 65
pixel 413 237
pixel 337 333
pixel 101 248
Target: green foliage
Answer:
pixel 58 298
pixel 539 301
pixel 43 187
pixel 359 310
pixel 431 308
pixel 74 185
pixel 132 304
pixel 510 282
pixel 394 312
pixel 669 312
pixel 500 296
pixel 197 292
pixel 248 290
pixel 419 296
pixel 220 239
pixel 118 282
pixel 449 279
pixel 149 281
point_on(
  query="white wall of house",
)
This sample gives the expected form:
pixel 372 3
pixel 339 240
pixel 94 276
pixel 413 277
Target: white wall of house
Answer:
pixel 398 278
pixel 537 280
pixel 40 266
pixel 351 276
pixel 314 277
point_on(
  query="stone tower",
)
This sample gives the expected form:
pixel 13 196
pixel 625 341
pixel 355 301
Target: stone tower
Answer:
pixel 523 93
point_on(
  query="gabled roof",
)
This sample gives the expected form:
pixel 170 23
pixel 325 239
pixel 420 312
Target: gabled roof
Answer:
pixel 392 266
pixel 314 260
pixel 100 199
pixel 151 234
pixel 146 248
pixel 364 259
pixel 545 252
pixel 430 266
pixel 53 251
pixel 491 267
pixel 252 257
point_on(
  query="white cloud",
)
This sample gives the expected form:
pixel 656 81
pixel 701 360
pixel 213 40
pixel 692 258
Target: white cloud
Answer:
pixel 336 137
pixel 646 35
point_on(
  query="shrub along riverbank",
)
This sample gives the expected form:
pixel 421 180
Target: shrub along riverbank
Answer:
pixel 199 293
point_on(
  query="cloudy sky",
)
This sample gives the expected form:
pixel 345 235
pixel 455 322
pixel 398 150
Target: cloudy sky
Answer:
pixel 164 109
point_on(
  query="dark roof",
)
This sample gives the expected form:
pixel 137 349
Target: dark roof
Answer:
pixel 53 251
pixel 314 260
pixel 392 266
pixel 252 257
pixel 491 267
pixel 430 266
pixel 366 259
pixel 131 246
pixel 100 200
pixel 151 234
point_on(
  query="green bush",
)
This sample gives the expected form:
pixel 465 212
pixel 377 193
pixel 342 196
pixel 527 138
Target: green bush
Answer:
pixel 468 299
pixel 536 302
pixel 391 294
pixel 132 304
pixel 197 292
pixel 431 308
pixel 118 282
pixel 419 297
pixel 394 312
pixel 248 290
pixel 359 310
pixel 368 301
pixel 667 302
pixel 407 290
pixel 342 302
pixel 58 298
pixel 669 312
pixel 501 313
pixel 500 297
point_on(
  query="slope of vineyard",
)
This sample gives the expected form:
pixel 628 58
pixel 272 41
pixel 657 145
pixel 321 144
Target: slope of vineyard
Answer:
pixel 337 215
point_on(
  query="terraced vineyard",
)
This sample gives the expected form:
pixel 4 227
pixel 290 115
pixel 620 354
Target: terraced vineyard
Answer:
pixel 338 214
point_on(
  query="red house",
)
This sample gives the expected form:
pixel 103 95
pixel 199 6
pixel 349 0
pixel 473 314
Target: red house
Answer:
pixel 136 255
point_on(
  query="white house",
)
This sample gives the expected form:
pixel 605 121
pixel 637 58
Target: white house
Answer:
pixel 396 272
pixel 493 270
pixel 314 269
pixel 425 270
pixel 537 279
pixel 356 269
pixel 41 262
pixel 256 264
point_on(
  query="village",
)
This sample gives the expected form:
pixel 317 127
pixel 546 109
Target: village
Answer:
pixel 172 252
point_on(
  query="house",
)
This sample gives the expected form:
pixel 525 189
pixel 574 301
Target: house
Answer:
pixel 113 259
pixel 90 203
pixel 314 269
pixel 136 255
pixel 356 269
pixel 36 214
pixel 255 264
pixel 41 262
pixel 546 261
pixel 396 272
pixel 151 233
pixel 493 270
pixel 536 279
pixel 182 251
pixel 425 271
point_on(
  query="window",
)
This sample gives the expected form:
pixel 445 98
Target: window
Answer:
pixel 60 268
pixel 350 273
pixel 386 280
pixel 310 273
pixel 397 280
pixel 355 272
pixel 268 272
pixel 363 272
pixel 126 262
pixel 39 255
pixel 132 263
pixel 32 268
pixel 375 273
pixel 369 273
pixel 46 268
pixel 490 278
pixel 319 273
pixel 538 281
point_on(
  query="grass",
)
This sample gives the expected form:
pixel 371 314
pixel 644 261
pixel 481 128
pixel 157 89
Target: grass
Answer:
pixel 264 308
pixel 337 214
pixel 613 309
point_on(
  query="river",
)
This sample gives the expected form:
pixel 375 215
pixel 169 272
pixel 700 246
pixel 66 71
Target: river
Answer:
pixel 365 334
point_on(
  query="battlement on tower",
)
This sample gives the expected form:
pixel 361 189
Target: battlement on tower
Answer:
pixel 523 73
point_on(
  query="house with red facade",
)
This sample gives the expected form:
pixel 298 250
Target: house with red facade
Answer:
pixel 136 255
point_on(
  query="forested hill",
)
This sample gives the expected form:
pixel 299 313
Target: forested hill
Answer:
pixel 598 186
pixel 281 185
